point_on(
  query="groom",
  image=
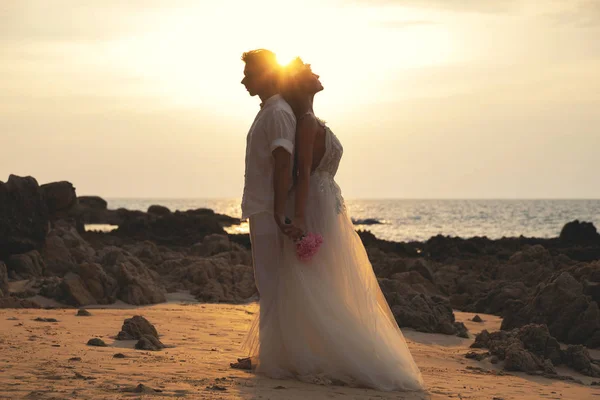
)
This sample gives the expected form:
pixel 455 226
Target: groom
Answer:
pixel 267 179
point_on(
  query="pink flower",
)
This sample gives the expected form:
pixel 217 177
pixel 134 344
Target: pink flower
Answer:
pixel 308 246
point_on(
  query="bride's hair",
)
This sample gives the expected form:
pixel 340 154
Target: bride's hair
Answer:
pixel 292 79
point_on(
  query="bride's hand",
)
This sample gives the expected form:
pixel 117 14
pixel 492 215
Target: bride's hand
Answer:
pixel 283 224
pixel 299 229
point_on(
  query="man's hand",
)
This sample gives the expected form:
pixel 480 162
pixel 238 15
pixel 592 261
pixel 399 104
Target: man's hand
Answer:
pixel 298 230
pixel 290 230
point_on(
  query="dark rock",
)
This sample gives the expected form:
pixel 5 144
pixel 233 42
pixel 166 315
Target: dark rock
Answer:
pixel 65 249
pixel 215 244
pixel 136 327
pixel 529 266
pixel 549 367
pixel 119 355
pixel 99 284
pixel 499 297
pixel 15 302
pixel 424 313
pixel 74 291
pixel 138 284
pixel 519 359
pixel 40 319
pixel 420 267
pixel 60 197
pixel 93 202
pixel 25 266
pixel 23 216
pixel 366 221
pixel 158 210
pixel 3 280
pixel 141 388
pixel 578 358
pixel 576 232
pixel 562 306
pixel 461 330
pixel 82 312
pixel 96 342
pixel 477 356
pixel 477 318
pixel 178 228
pixel 494 359
pixel 537 339
pixel 149 342
pixel 75 359
pixel 216 279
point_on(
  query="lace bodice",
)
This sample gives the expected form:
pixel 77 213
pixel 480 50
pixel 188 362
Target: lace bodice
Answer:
pixel 324 174
pixel 333 153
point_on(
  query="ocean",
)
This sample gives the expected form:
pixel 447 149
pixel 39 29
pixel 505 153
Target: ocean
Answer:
pixel 405 220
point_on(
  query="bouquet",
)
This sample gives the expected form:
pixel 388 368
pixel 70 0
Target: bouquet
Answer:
pixel 308 245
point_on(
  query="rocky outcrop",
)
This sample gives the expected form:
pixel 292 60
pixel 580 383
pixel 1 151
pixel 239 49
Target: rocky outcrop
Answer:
pixel 158 210
pixel 60 198
pixel 23 216
pixel 92 202
pixel 561 305
pixel 431 314
pixel 15 302
pixel 64 250
pixel 532 348
pixel 26 265
pixel 576 232
pixel 137 284
pixel 215 279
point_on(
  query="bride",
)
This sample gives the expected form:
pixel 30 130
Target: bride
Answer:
pixel 330 321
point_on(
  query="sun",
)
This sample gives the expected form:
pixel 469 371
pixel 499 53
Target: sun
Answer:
pixel 284 58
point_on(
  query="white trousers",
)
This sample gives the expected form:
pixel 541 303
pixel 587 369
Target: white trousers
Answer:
pixel 267 256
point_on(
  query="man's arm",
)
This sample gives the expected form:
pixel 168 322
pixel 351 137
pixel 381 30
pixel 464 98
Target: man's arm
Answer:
pixel 281 133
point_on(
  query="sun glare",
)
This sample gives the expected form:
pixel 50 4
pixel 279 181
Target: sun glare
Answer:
pixel 188 71
pixel 285 58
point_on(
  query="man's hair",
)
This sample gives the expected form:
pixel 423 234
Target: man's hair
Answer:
pixel 265 60
pixel 262 57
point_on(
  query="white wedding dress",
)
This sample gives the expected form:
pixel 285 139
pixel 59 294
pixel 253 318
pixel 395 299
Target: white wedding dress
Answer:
pixel 329 321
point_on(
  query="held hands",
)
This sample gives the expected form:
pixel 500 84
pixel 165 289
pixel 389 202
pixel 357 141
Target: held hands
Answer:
pixel 294 230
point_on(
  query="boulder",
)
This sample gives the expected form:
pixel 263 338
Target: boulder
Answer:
pixel 149 342
pixel 576 232
pixel 92 202
pixel 423 313
pixel 215 279
pixel 138 284
pixel 23 216
pixel 570 315
pixel 15 302
pixel 578 358
pixel 25 266
pixel 60 198
pixel 135 328
pixel 519 359
pixel 158 210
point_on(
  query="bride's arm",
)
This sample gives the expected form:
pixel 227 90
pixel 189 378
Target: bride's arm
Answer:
pixel 306 131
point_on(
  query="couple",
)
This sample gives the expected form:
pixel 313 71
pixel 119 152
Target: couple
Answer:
pixel 325 320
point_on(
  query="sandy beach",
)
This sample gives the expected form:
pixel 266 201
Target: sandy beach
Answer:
pixel 51 360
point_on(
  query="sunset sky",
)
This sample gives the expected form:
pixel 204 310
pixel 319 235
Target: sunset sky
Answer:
pixel 431 98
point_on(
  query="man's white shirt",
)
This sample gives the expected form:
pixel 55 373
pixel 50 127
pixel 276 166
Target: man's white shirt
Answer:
pixel 273 127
